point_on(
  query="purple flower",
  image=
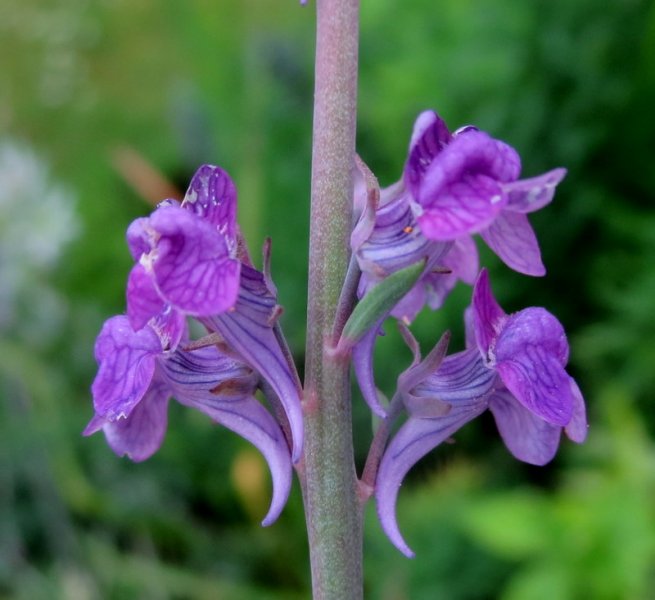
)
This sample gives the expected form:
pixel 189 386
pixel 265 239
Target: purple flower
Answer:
pixel 186 255
pixel 468 183
pixel 187 265
pixel 516 370
pixel 137 377
pixel 250 330
pixel 387 238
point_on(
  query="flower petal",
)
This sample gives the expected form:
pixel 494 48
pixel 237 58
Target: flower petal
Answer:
pixel 538 381
pixel 465 206
pixel 249 419
pixel 143 299
pixel 577 427
pixel 396 241
pixel 362 359
pixel 126 366
pixel 192 267
pixel 512 238
pixel 528 195
pixel 411 443
pixel 461 192
pixel 488 316
pixel 212 195
pixel 429 138
pixel 139 435
pixel 249 331
pixel 194 374
pixel 527 436
pixel 139 238
pixel 528 327
pixel 462 261
pixel 460 379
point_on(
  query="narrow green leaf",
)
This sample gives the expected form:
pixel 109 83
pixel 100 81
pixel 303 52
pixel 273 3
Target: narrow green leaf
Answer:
pixel 379 302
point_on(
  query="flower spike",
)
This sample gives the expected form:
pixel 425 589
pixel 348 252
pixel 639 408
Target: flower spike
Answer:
pixel 515 369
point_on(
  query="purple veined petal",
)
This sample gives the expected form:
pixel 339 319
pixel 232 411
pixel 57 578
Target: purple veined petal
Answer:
pixel 249 419
pixel 212 195
pixel 538 381
pixel 533 326
pixel 396 241
pixel 139 238
pixel 461 379
pixel 139 435
pixel 362 359
pixel 528 195
pixel 170 326
pixel 527 436
pixel 531 352
pixel 193 374
pixel 248 330
pixel 192 267
pixel 512 238
pixel 143 299
pixel 412 442
pixel 577 427
pixel 126 366
pixel 488 316
pixel 466 178
pixel 469 330
pixel 462 260
pixel 420 370
pixel 429 137
pixel 464 206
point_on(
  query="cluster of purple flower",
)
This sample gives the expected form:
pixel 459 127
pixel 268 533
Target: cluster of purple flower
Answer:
pixel 192 262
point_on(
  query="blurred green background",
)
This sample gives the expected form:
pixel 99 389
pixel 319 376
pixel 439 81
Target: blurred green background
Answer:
pixel 99 97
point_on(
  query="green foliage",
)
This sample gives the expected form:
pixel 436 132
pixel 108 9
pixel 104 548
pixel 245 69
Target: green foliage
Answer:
pixel 595 535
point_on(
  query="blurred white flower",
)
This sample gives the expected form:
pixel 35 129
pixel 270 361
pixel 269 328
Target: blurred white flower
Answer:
pixel 37 220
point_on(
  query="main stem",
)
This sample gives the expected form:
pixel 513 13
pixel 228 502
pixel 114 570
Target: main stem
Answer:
pixel 328 478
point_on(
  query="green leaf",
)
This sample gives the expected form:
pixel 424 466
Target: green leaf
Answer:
pixel 379 302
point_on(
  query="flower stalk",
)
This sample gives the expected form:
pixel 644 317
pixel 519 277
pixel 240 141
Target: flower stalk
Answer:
pixel 328 475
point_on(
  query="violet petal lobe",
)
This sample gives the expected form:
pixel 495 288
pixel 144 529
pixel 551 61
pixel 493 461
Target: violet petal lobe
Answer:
pixel 539 382
pixel 194 374
pixel 527 436
pixel 577 427
pixel 212 195
pixel 249 331
pixel 532 326
pixel 126 366
pixel 461 192
pixel 139 238
pixel 465 206
pixel 143 300
pixel 192 266
pixel 528 195
pixel 139 435
pixel 460 379
pixel 487 315
pixel 412 442
pixel 362 359
pixel 512 238
pixel 249 419
pixel 429 137
pixel 462 260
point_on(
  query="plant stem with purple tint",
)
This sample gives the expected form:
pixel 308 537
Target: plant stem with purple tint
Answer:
pixel 329 482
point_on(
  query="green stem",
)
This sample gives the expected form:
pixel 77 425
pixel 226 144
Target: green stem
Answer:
pixel 328 478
